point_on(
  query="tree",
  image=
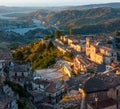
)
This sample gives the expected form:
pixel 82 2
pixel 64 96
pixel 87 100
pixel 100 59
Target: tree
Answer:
pixel 50 45
pixel 58 33
pixel 71 32
pixel 68 56
pixel 18 89
pixel 18 55
pixel 47 37
pixel 117 33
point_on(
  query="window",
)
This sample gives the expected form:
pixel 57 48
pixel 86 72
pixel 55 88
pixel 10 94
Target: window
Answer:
pixel 112 60
pixel 22 74
pixel 111 54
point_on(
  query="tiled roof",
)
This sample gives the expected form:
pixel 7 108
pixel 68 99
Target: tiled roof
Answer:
pixel 52 88
pixel 106 48
pixel 36 93
pixel 95 85
pixel 83 60
pixel 5 55
pixel 100 54
pixel 75 43
pixel 21 68
pixel 40 81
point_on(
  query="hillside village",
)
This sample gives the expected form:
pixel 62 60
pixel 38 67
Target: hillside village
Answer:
pixel 90 81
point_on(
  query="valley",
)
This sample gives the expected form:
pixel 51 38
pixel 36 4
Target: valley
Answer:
pixel 28 24
pixel 60 57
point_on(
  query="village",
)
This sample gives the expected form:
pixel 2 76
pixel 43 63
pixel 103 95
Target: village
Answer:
pixel 91 81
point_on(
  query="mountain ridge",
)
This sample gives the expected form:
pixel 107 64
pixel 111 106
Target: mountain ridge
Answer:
pixel 59 8
pixel 105 17
pixel 77 19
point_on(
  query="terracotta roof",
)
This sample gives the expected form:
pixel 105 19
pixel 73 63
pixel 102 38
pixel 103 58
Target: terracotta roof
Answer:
pixel 106 48
pixel 75 43
pixel 83 60
pixel 40 81
pixel 71 38
pixel 38 93
pixel 51 88
pixel 99 37
pixel 100 54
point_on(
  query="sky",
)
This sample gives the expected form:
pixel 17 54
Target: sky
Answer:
pixel 52 2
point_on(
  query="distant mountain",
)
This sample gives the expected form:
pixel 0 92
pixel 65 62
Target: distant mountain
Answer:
pixel 13 39
pixel 5 9
pixel 91 6
pixel 87 19
pixel 37 33
pixel 103 19
pixel 111 5
pixel 94 20
pixel 10 36
pixel 98 18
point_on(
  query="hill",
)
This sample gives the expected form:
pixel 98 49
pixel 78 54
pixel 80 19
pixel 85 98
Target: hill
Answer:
pixel 41 53
pixel 111 5
pixel 6 9
pixel 103 19
pixel 82 7
pixel 8 39
pixel 88 19
pixel 85 21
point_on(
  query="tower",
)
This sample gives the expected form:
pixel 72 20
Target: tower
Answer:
pixel 88 46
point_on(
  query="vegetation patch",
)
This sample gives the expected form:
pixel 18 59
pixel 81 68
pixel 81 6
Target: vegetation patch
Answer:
pixel 42 53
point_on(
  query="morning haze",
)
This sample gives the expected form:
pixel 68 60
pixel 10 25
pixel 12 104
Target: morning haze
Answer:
pixel 52 2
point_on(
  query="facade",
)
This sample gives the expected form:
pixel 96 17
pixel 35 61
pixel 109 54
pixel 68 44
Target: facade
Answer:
pixel 62 49
pixel 5 56
pixel 118 96
pixel 18 69
pixel 78 47
pixel 74 42
pixel 37 96
pixel 105 104
pixel 100 54
pixel 100 95
pixel 8 99
pixel 118 71
pixel 82 64
pixel 8 103
pixel 2 64
pixel 53 90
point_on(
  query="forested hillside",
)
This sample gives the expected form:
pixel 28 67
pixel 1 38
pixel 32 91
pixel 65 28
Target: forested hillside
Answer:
pixel 41 53
pixel 97 20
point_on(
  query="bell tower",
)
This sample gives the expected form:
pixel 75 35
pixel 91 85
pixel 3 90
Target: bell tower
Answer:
pixel 88 46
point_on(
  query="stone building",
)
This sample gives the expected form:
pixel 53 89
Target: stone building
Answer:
pixel 8 99
pixel 100 95
pixel 100 53
pixel 53 90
